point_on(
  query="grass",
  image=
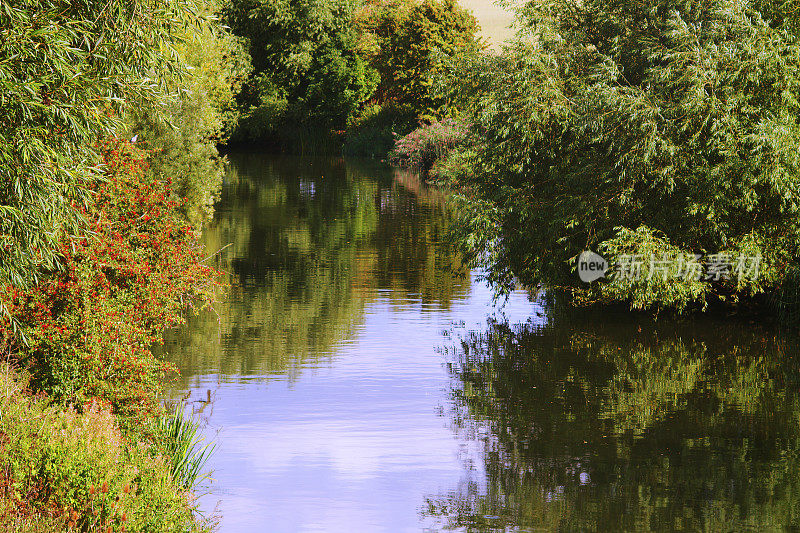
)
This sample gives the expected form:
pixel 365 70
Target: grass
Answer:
pixel 183 447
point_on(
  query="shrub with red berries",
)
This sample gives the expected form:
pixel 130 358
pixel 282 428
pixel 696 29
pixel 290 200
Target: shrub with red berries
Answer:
pixel 86 332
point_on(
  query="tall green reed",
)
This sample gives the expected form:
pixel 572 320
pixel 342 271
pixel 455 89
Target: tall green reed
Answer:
pixel 183 447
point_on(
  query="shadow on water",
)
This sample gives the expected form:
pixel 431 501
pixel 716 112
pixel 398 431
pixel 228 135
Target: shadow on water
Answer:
pixel 306 244
pixel 604 422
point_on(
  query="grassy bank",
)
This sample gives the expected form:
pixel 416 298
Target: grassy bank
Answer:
pixel 108 167
pixel 74 469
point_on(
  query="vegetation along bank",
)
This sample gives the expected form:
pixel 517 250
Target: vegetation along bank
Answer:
pixel 661 133
pixel 99 253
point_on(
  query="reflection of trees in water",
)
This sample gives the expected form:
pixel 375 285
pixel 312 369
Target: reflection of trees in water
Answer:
pixel 595 425
pixel 302 241
pixel 411 256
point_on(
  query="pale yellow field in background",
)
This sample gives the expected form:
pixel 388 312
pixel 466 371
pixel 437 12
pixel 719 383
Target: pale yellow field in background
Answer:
pixel 494 20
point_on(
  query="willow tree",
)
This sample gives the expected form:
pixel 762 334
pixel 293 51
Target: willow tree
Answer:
pixel 198 110
pixel 633 127
pixel 66 70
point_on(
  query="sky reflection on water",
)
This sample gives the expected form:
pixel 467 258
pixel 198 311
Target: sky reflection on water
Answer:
pixel 326 374
pixel 362 381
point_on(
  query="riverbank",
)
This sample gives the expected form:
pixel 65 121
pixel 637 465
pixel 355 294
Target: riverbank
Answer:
pixel 108 167
pixel 85 440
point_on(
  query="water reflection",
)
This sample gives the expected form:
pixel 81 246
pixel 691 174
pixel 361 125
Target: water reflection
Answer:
pixel 604 422
pixel 334 407
pixel 324 377
pixel 307 244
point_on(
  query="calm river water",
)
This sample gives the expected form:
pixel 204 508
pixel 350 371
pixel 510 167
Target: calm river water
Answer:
pixel 360 381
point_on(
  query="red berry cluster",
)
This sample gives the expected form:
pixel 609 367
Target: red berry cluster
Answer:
pixel 133 272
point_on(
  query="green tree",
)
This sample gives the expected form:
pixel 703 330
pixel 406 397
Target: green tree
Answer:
pixel 667 127
pixel 66 71
pixel 198 111
pixel 406 41
pixel 306 67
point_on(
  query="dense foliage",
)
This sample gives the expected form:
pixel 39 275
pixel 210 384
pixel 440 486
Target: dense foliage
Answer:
pixel 307 75
pixel 65 68
pixel 86 332
pixel 65 470
pixel 429 143
pixel 323 66
pixel 372 131
pixel 636 129
pixel 97 256
pixel 198 110
pixel 407 42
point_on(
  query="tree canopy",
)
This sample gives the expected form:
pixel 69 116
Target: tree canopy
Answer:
pixel 304 52
pixel 66 70
pixel 406 43
pixel 632 127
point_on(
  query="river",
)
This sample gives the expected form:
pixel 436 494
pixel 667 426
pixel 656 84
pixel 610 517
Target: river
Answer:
pixel 360 380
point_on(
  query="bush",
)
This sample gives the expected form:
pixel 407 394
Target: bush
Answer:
pixel 454 167
pixel 182 134
pixel 422 147
pixel 87 331
pixel 373 131
pixel 64 66
pixel 96 258
pixel 65 470
pixel 279 125
pixel 636 128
